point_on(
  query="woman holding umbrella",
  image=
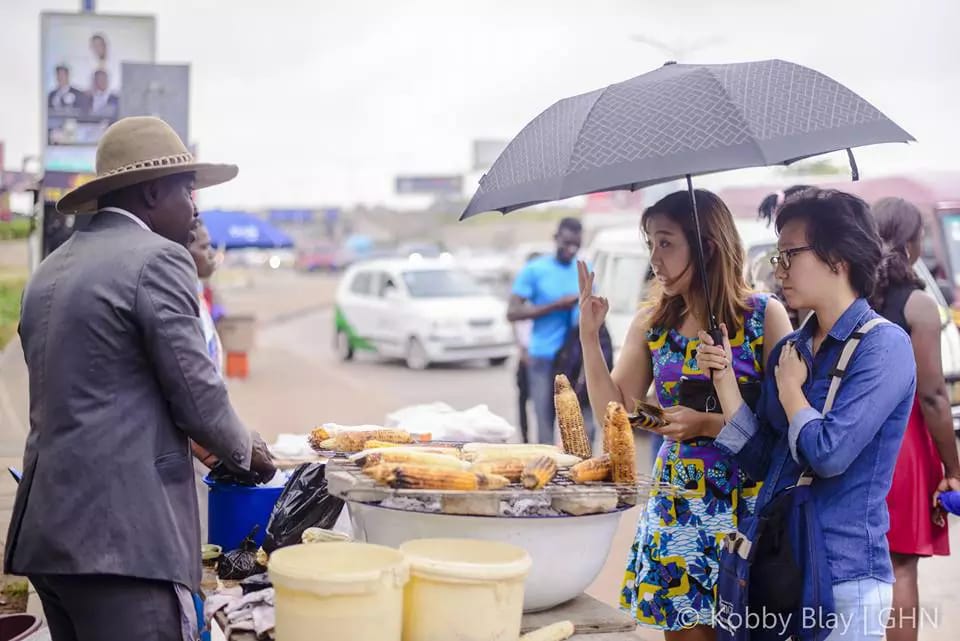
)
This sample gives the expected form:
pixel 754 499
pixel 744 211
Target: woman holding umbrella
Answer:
pixel 672 566
pixel 829 252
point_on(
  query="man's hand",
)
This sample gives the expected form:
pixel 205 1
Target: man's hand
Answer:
pixel 567 302
pixel 261 461
pixel 206 457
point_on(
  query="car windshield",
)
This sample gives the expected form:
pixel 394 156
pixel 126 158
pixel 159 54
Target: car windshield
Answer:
pixel 951 233
pixel 625 282
pixel 441 283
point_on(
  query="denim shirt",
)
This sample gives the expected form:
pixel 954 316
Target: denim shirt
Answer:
pixel 851 451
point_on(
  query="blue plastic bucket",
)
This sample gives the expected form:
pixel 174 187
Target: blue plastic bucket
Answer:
pixel 233 510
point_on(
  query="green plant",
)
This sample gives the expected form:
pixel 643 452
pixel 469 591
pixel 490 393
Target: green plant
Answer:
pixel 11 288
pixel 15 229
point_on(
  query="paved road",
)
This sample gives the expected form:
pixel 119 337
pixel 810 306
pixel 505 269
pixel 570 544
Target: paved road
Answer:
pixel 296 382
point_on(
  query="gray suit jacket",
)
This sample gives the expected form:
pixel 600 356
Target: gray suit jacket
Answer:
pixel 119 379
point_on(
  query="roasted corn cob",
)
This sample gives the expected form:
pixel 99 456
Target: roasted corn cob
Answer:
pixel 553 632
pixel 374 444
pixel 410 455
pixel 355 441
pixel 595 469
pixel 492 481
pixel 317 436
pixel 623 451
pixel 538 472
pixel 507 449
pixel 570 418
pixel 562 460
pixel 427 477
pixel 512 468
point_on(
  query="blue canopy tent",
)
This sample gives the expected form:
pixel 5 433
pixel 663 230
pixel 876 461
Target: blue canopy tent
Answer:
pixel 241 230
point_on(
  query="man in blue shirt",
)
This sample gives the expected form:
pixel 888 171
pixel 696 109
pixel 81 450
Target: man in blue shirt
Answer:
pixel 547 292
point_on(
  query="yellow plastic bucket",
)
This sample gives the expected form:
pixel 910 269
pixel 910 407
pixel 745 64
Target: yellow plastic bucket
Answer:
pixel 338 591
pixel 463 589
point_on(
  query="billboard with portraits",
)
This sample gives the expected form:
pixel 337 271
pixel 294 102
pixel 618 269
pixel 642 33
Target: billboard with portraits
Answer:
pixel 81 57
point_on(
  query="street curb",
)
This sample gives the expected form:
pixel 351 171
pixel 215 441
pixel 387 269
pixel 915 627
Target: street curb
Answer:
pixel 295 315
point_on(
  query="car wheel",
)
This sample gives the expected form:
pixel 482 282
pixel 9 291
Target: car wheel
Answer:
pixel 417 358
pixel 500 361
pixel 344 348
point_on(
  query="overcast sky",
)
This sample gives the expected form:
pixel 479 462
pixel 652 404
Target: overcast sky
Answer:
pixel 325 102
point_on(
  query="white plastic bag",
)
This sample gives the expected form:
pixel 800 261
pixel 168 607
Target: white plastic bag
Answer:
pixel 447 424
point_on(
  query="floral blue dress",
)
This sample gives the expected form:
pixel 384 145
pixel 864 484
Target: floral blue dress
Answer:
pixel 673 563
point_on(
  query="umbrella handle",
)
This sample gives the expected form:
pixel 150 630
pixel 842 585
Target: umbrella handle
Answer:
pixel 854 170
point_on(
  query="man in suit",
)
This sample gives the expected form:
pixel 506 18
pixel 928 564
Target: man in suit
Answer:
pixel 105 520
pixel 65 99
pixel 102 102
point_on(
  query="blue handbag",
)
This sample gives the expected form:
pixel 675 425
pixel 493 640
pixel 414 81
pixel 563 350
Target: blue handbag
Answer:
pixel 774 581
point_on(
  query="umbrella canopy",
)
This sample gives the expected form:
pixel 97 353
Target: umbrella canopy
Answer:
pixel 676 121
pixel 240 230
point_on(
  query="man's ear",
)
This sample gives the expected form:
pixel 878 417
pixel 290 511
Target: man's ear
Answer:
pixel 150 192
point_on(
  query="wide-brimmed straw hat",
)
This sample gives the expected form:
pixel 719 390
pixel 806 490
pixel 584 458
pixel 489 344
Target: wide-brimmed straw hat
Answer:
pixel 135 150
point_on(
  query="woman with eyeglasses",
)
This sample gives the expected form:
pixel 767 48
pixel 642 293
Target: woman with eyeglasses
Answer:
pixel 928 462
pixel 829 253
pixel 672 567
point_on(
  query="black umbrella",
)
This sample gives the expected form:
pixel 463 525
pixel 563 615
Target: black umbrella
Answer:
pixel 680 121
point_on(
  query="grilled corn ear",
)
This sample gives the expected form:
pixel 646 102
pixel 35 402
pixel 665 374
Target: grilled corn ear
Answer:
pixel 623 451
pixel 507 449
pixel 410 455
pixel 317 436
pixel 561 459
pixel 538 472
pixel 492 481
pixel 355 441
pixel 512 468
pixel 409 476
pixel 374 444
pixel 595 469
pixel 570 418
pixel 553 632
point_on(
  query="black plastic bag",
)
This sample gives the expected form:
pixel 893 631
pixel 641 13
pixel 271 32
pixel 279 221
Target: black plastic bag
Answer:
pixel 238 564
pixel 256 583
pixel 303 504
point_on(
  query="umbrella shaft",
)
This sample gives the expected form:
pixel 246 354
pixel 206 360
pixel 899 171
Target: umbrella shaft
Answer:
pixel 702 263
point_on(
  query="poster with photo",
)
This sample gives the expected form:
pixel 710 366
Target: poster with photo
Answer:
pixel 81 57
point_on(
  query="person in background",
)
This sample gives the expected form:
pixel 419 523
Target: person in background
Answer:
pixel 673 563
pixel 521 332
pixel 762 273
pixel 65 99
pixel 829 252
pixel 927 463
pixel 101 102
pixel 546 292
pixel 205 259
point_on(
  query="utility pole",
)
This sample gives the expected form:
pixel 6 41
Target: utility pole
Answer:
pixel 678 52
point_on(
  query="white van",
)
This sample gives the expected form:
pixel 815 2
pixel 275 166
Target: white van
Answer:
pixel 423 310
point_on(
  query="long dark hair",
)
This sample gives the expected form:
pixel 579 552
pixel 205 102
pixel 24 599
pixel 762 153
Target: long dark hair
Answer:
pixel 723 252
pixel 772 202
pixel 899 223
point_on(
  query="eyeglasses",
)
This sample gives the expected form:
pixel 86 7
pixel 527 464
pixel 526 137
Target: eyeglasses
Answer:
pixel 783 258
